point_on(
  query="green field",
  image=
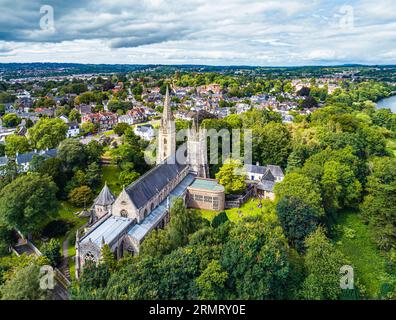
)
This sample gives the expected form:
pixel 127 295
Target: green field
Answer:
pixel 250 208
pixel 355 241
pixel 110 175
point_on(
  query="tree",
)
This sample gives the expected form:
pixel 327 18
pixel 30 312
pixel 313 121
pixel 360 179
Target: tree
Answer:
pixel 183 222
pixel 232 176
pixel 88 127
pixel 128 174
pixel 93 175
pixel 323 262
pixel 219 219
pixel 81 196
pixel 52 167
pixel 16 144
pixel 11 120
pixel 52 251
pixel 27 201
pixel 255 259
pixel 47 133
pixel 379 205
pixel 120 128
pixel 74 115
pixel 309 102
pixel 298 186
pixel 2 109
pixel 91 283
pixel 94 151
pixel 72 153
pixel 211 282
pixel 108 258
pixel 24 285
pixel 297 219
pixel 272 144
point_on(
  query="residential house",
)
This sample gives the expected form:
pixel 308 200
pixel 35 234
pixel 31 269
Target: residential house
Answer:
pixel 146 132
pixel 105 120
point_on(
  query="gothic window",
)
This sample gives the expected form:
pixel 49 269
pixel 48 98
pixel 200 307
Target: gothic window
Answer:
pixel 152 207
pixel 165 141
pixel 123 203
pixel 124 213
pixel 89 257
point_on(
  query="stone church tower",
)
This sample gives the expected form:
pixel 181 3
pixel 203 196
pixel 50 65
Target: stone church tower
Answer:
pixel 167 133
pixel 197 151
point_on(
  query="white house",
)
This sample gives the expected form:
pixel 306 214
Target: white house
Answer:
pixel 73 130
pixel 146 132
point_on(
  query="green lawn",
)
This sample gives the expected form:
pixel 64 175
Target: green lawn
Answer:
pixel 110 175
pixel 248 209
pixel 354 240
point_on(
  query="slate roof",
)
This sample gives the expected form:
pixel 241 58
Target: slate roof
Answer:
pixel 139 231
pixel 268 175
pixel 27 157
pixel 105 197
pixel 276 170
pixel 3 161
pixel 266 185
pixel 148 185
pixel 109 230
pixel 254 169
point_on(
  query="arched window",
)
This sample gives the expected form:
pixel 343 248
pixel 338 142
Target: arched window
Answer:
pixel 152 207
pixel 89 257
pixel 124 213
pixel 165 141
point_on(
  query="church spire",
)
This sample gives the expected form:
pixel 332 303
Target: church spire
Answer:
pixel 167 112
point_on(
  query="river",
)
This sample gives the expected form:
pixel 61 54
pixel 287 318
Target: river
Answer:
pixel 389 102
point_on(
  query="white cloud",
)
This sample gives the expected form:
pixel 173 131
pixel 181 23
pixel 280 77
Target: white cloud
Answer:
pixel 266 32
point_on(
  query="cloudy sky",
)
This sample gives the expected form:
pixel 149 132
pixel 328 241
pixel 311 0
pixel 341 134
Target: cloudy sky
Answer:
pixel 216 32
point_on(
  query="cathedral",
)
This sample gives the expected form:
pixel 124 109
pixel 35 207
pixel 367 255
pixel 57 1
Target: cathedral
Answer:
pixel 123 222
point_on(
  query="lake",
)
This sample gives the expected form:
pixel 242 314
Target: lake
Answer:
pixel 389 102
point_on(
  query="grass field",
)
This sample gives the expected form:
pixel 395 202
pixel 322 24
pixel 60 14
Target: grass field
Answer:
pixel 236 214
pixel 110 175
pixel 354 240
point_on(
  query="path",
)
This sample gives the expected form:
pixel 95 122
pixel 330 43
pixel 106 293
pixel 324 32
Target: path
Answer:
pixel 65 262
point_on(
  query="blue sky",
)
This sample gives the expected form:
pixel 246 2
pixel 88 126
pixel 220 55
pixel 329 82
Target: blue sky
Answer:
pixel 215 32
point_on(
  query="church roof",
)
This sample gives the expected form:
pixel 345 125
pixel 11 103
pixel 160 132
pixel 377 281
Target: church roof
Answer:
pixel 148 185
pixel 139 231
pixel 105 197
pixel 107 231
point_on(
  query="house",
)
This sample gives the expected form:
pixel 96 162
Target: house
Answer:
pixel 64 118
pixel 133 116
pixel 84 109
pixel 105 120
pixel 146 132
pixel 23 160
pixel 73 129
pixel 264 178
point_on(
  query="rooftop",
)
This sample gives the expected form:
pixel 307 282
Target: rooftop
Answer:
pixel 207 184
pixel 108 230
pixel 139 231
